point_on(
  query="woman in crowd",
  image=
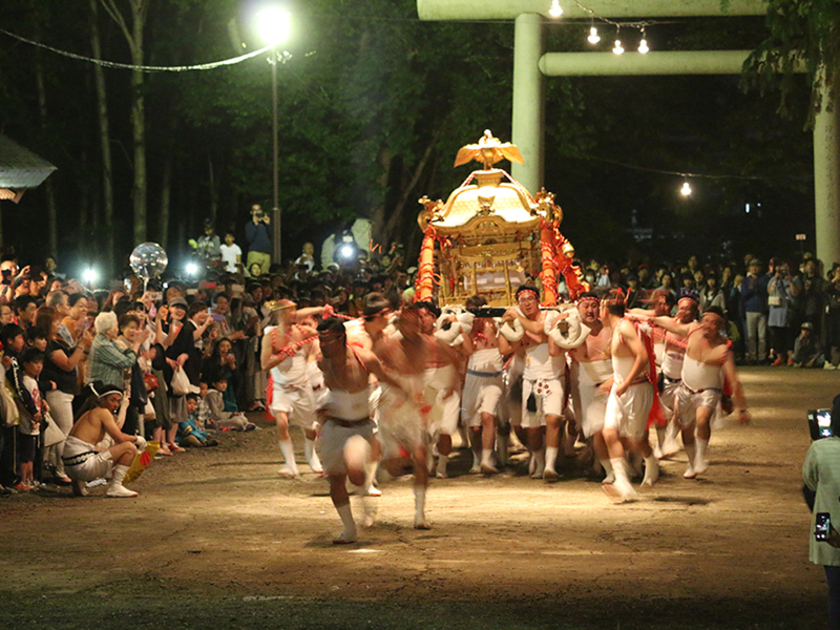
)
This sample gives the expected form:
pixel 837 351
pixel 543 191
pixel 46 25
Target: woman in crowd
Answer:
pixel 60 367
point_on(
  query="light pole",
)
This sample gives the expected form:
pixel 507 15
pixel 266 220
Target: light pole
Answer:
pixel 274 26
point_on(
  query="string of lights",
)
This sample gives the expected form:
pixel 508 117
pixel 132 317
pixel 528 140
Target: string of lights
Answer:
pixel 128 66
pixel 593 38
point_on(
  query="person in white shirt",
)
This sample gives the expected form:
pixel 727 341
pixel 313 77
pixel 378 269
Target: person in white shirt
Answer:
pixel 231 254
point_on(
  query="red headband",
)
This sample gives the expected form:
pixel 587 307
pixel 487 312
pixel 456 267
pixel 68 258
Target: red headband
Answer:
pixel 589 298
pixel 536 295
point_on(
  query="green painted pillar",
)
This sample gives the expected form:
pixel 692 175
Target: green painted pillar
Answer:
pixel 528 101
pixel 827 178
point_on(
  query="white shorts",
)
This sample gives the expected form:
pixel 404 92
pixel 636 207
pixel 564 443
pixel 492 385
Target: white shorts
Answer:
pixel 402 421
pixel 668 397
pixel 688 403
pixel 593 406
pixel 445 410
pixel 481 395
pixel 333 438
pixel 297 402
pixel 629 414
pixel 83 463
pixel 549 396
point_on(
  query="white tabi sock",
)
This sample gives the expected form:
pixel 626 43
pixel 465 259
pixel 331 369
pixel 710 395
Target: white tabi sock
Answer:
pixel 700 461
pixel 441 466
pixel 622 482
pixel 651 470
pixel 349 533
pixel 288 450
pixel 312 456
pixel 691 451
pixel 476 463
pixel 550 457
pixel 539 463
pixel 117 489
pixel 608 469
pixel 420 508
pixel 660 441
pixel 487 457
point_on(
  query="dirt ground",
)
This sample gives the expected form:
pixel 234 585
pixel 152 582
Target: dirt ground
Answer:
pixel 216 539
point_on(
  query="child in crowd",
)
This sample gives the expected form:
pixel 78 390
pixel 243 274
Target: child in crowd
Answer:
pixel 189 433
pixel 29 428
pixel 216 413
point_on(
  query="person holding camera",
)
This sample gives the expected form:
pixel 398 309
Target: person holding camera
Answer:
pixel 259 239
pixel 821 474
pixel 782 291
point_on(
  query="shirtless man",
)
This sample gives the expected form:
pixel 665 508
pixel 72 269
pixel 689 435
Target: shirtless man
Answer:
pixel 670 350
pixel 629 404
pixel 404 423
pixel 83 463
pixel 284 353
pixel 708 361
pixel 443 387
pixel 483 387
pixel 347 427
pixel 542 384
pixel 364 333
pixel 592 378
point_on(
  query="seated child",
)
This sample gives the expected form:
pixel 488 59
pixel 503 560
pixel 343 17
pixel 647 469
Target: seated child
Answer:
pixel 216 407
pixel 189 433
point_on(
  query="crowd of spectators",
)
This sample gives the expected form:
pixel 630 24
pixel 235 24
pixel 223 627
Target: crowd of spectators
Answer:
pixel 187 353
pixel 780 312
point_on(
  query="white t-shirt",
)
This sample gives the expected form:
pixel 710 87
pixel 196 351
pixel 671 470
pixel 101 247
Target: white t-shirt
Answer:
pixel 229 256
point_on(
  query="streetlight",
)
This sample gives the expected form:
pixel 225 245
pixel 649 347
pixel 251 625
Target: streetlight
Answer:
pixel 274 26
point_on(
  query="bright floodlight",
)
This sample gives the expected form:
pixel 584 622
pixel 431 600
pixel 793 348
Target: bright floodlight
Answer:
pixel 556 10
pixel 347 251
pixel 274 25
pixel 686 189
pixel 192 269
pixel 90 275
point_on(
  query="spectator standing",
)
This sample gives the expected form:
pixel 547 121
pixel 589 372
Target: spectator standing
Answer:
pixel 259 239
pixel 832 321
pixel 60 363
pixel 812 297
pixel 821 474
pixel 782 290
pixel 208 246
pixel 231 254
pixel 754 304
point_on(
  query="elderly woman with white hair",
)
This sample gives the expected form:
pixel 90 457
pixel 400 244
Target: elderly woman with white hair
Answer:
pixel 108 361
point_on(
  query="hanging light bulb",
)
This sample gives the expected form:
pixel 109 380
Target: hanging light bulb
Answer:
pixel 643 47
pixel 556 10
pixel 686 189
pixel 618 49
pixel 593 38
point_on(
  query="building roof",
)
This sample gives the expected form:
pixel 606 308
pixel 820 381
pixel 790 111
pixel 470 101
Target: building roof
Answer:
pixel 20 167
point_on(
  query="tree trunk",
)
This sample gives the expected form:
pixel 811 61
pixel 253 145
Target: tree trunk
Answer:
pixel 49 189
pixel 165 201
pixel 104 141
pixel 398 218
pixel 138 124
pixel 214 193
pixel 134 37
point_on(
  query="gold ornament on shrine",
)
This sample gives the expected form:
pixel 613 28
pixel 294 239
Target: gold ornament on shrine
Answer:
pixel 492 235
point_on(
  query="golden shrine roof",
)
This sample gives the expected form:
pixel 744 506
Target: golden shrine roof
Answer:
pixel 508 201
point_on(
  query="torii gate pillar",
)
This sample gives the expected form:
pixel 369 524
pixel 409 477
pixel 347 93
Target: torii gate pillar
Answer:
pixel 528 101
pixel 827 179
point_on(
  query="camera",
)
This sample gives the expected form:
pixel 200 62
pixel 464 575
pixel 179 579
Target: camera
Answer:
pixel 822 526
pixel 819 423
